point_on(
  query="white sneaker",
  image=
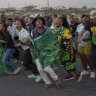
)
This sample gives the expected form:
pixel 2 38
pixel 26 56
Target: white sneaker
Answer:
pixel 17 70
pixel 84 73
pixel 79 78
pixel 14 60
pixel 88 67
pixel 31 76
pixel 38 79
pixel 92 75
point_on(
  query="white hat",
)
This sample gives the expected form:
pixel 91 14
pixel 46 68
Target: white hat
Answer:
pixel 93 14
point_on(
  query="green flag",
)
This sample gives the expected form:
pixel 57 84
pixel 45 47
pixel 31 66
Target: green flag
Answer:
pixel 46 49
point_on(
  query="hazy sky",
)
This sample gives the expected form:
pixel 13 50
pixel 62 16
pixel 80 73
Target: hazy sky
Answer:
pixel 40 3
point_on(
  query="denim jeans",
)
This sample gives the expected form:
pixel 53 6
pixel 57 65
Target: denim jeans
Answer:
pixel 7 56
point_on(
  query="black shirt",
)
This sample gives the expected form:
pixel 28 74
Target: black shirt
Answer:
pixel 73 27
pixel 7 37
pixel 91 27
pixel 49 23
pixel 35 33
pixel 30 28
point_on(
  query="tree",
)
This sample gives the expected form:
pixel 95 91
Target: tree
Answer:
pixel 84 7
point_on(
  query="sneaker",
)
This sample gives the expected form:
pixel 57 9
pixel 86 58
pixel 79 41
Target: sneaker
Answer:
pixel 79 78
pixel 38 79
pixel 14 60
pixel 46 86
pixel 69 77
pixel 22 62
pixel 84 73
pixel 88 67
pixel 17 70
pixel 10 73
pixel 31 76
pixel 58 82
pixel 92 75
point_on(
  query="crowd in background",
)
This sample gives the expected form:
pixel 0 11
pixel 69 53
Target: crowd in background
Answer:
pixel 75 36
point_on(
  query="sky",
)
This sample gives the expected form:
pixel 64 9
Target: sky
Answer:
pixel 43 3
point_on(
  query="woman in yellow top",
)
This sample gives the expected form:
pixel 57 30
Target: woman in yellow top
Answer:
pixel 68 56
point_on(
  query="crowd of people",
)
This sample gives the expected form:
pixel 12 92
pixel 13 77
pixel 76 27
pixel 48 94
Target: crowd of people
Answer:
pixel 44 44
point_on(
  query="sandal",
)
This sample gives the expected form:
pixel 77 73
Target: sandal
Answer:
pixel 46 86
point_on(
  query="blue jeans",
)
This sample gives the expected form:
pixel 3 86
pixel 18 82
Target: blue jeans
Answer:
pixel 6 58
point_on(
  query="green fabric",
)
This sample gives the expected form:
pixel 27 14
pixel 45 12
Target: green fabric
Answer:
pixel 93 39
pixel 59 32
pixel 74 46
pixel 66 58
pixel 46 48
pixel 3 67
pixel 21 29
pixel 71 29
pixel 27 38
pixel 2 15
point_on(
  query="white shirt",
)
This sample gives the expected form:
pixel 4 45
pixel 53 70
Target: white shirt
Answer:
pixel 80 27
pixel 52 26
pixel 13 31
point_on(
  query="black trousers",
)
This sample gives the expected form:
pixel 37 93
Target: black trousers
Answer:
pixel 93 50
pixel 28 62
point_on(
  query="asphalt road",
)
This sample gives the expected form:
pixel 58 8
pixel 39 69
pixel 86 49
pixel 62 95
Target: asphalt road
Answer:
pixel 20 85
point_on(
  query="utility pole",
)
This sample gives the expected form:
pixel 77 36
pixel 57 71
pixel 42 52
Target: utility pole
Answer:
pixel 25 3
pixel 9 5
pixel 48 4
